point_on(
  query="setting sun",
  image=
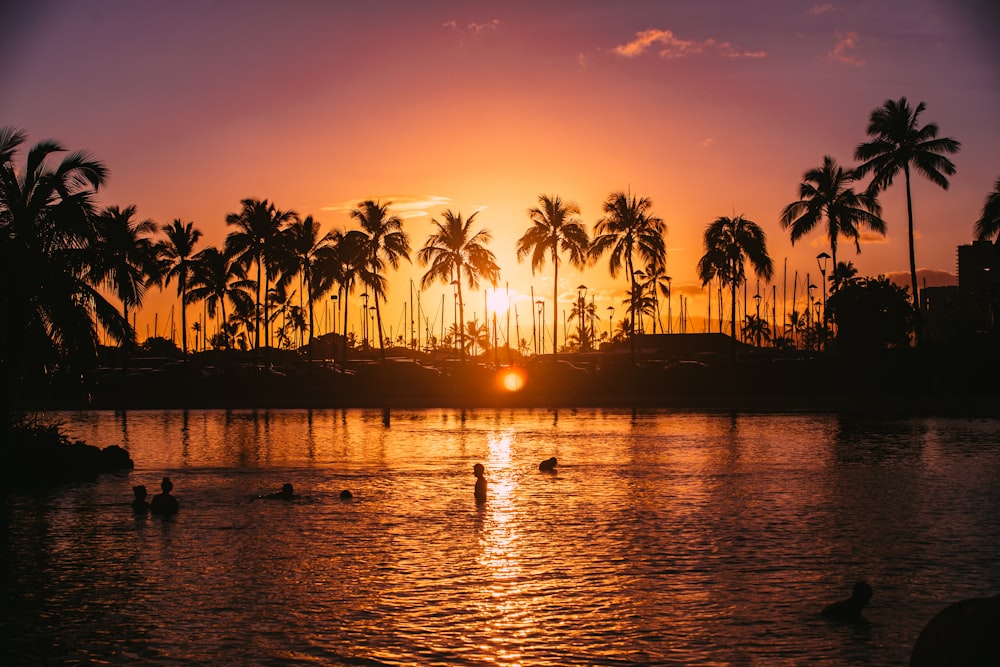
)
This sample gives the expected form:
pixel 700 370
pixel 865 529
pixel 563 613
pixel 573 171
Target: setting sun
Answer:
pixel 512 379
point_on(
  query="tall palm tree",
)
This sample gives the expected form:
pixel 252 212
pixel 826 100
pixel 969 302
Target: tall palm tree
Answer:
pixel 124 255
pixel 656 282
pixel 305 247
pixel 176 254
pixel 988 225
pixel 899 143
pixel 217 277
pixel 342 263
pixel 257 239
pixel 825 192
pixel 729 244
pixel 46 225
pixel 387 242
pixel 556 227
pixel 630 232
pixel 451 249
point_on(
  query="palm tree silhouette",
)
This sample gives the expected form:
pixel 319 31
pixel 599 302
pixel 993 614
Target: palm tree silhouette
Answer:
pixel 304 248
pixel 217 277
pixel 344 264
pixel 257 239
pixel 655 282
pixel 176 255
pixel 630 231
pixel 452 249
pixel 843 273
pixel 729 242
pixel 124 255
pixel 556 226
pixel 387 242
pixel 898 143
pixel 46 224
pixel 988 224
pixel 825 193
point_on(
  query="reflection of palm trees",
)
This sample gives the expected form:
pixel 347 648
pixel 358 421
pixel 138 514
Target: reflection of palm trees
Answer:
pixel 629 231
pixel 387 242
pixel 46 218
pixel 988 225
pixel 218 277
pixel 825 193
pixel 177 255
pixel 452 249
pixel 556 227
pixel 898 143
pixel 729 242
pixel 257 239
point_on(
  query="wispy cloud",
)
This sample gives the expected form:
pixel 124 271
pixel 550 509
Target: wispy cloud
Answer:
pixel 473 28
pixel 405 206
pixel 669 46
pixel 708 142
pixel 842 51
pixel 825 8
pixel 581 60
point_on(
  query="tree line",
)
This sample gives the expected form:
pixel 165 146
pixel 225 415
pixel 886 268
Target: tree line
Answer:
pixel 63 255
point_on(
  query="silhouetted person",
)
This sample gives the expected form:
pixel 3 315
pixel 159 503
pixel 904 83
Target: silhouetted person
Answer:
pixel 163 503
pixel 286 493
pixel 480 473
pixel 966 633
pixel 850 609
pixel 140 505
pixel 346 495
pixel 548 465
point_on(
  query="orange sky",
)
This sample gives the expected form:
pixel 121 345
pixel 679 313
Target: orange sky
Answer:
pixel 709 108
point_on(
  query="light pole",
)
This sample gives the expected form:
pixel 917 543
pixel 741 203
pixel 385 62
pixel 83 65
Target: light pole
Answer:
pixel 364 321
pixel 336 300
pixel 611 320
pixel 670 299
pixel 372 331
pixel 581 304
pixel 821 260
pixel 541 321
pixel 756 324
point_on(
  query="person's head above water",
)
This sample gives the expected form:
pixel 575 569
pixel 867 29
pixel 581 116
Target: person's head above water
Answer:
pixel 346 495
pixel 286 489
pixel 140 492
pixel 478 470
pixel 167 485
pixel 862 592
pixel 548 464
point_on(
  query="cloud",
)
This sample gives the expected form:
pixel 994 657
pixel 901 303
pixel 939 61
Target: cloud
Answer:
pixel 934 278
pixel 473 28
pixel 405 206
pixel 842 50
pixel 581 60
pixel 708 143
pixel 672 47
pixel 450 25
pixel 817 10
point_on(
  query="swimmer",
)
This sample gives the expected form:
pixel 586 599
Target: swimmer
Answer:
pixel 548 465
pixel 139 504
pixel 480 473
pixel 850 609
pixel 164 503
pixel 346 495
pixel 286 493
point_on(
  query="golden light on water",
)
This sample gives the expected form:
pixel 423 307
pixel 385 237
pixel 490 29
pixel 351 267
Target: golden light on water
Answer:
pixel 512 379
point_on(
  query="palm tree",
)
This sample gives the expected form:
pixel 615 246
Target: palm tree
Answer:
pixel 257 239
pixel 630 231
pixel 177 256
pixel 451 249
pixel 387 242
pixel 124 255
pixel 825 193
pixel 843 273
pixel 656 282
pixel 556 226
pixel 343 263
pixel 898 143
pixel 305 248
pixel 729 243
pixel 46 224
pixel 218 277
pixel 988 225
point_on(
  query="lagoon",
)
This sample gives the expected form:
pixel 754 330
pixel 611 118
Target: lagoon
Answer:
pixel 664 537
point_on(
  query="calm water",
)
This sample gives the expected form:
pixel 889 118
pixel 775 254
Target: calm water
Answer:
pixel 670 538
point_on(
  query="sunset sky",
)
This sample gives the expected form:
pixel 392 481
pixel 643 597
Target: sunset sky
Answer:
pixel 709 108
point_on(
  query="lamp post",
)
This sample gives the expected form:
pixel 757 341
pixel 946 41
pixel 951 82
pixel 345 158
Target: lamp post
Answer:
pixel 756 324
pixel 821 260
pixel 364 321
pixel 336 300
pixel 611 320
pixel 372 331
pixel 670 300
pixel 541 320
pixel 581 304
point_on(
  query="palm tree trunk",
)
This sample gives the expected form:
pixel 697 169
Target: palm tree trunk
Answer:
pixel 461 312
pixel 918 323
pixel 555 304
pixel 184 339
pixel 381 337
pixel 343 332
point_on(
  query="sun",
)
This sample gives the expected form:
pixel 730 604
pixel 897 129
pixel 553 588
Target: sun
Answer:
pixel 512 379
pixel 497 301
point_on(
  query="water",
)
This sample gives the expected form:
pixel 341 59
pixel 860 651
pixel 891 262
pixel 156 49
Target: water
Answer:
pixel 665 537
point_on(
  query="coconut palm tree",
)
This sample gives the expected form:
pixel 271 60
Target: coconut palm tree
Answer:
pixel 825 193
pixel 343 263
pixel 988 226
pixel 387 242
pixel 899 143
pixel 218 277
pixel 843 273
pixel 556 227
pixel 656 282
pixel 124 255
pixel 453 249
pixel 305 247
pixel 729 243
pixel 257 239
pixel 630 232
pixel 176 255
pixel 46 225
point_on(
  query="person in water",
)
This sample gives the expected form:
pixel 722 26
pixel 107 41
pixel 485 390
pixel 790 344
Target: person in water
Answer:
pixel 850 609
pixel 163 503
pixel 346 495
pixel 139 504
pixel 548 465
pixel 286 493
pixel 480 473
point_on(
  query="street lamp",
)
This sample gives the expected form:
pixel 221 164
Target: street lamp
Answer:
pixel 611 319
pixel 336 300
pixel 756 328
pixel 364 321
pixel 371 313
pixel 821 260
pixel 670 300
pixel 581 296
pixel 541 320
